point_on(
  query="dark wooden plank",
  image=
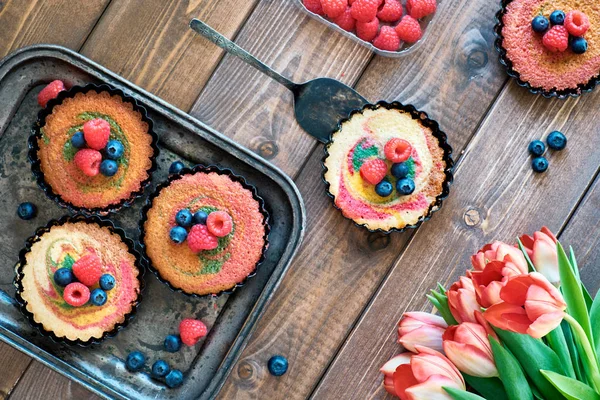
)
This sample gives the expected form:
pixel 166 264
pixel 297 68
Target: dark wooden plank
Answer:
pixel 15 363
pixel 496 196
pixel 151 44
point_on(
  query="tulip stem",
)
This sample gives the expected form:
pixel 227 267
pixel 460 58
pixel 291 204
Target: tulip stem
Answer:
pixel 588 352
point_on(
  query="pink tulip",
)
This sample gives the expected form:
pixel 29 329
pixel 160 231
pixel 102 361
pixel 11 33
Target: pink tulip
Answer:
pixel 423 329
pixel 541 249
pixel 462 300
pixel 492 279
pixel 531 305
pixel 389 368
pixel 468 347
pixel 498 251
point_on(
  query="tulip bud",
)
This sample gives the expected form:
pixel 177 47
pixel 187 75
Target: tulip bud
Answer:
pixel 468 347
pixel 420 328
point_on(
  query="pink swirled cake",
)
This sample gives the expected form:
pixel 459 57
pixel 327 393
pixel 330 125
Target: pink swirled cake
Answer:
pixel 385 168
pixel 61 247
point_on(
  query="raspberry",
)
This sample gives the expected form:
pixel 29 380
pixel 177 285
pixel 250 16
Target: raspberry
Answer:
pixel 391 11
pixel 96 133
pixel 88 161
pixel 409 29
pixel 345 21
pixel 88 269
pixel 76 294
pixel 219 223
pixel 50 92
pixel 397 150
pixel 334 8
pixel 367 30
pixel 420 8
pixel 387 39
pixel 191 330
pixel 556 39
pixel 314 6
pixel 373 170
pixel 577 23
pixel 200 239
pixel 365 10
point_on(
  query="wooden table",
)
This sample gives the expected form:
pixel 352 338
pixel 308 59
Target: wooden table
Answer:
pixel 334 315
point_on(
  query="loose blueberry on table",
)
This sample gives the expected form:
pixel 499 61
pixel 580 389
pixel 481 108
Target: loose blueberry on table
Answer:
pixel 26 211
pixel 557 141
pixel 176 167
pixel 277 365
pixel 174 378
pixel 160 369
pixel 539 164
pixel 172 343
pixel 135 361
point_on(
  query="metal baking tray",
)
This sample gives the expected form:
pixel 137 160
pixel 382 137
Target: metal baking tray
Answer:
pixel 231 318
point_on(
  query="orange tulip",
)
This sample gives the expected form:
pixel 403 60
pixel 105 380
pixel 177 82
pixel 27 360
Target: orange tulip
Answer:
pixel 531 305
pixel 389 368
pixel 468 347
pixel 492 279
pixel 498 251
pixel 420 328
pixel 541 249
pixel 462 300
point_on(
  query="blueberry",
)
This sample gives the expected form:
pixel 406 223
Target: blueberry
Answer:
pixel 278 365
pixel 114 149
pixel 63 276
pixel 174 378
pixel 160 368
pixel 176 167
pixel 184 217
pixel 98 297
pixel 539 164
pixel 200 217
pixel 384 188
pixel 405 186
pixel 27 211
pixel 557 17
pixel 178 234
pixel 135 361
pixel 579 45
pixel 556 140
pixel 540 24
pixel 537 148
pixel 109 168
pixel 172 343
pixel 77 140
pixel 107 282
pixel 400 170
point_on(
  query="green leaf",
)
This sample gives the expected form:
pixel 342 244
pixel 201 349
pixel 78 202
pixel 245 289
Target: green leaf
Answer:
pixel 458 394
pixel 529 262
pixel 575 360
pixel 570 388
pixel 440 301
pixel 595 320
pixel 558 343
pixel 586 294
pixel 511 374
pixel 533 355
pixel 490 388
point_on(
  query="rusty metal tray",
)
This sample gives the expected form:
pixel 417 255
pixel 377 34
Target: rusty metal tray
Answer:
pixel 231 318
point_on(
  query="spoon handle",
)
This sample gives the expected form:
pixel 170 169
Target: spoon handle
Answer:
pixel 232 48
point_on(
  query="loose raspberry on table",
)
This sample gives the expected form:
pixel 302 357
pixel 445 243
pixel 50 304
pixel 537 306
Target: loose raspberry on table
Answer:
pixel 88 269
pixel 96 133
pixel 88 161
pixel 345 21
pixel 556 39
pixel 577 23
pixel 421 8
pixel 191 330
pixel 391 11
pixel 50 92
pixel 200 239
pixel 397 150
pixel 219 223
pixel 334 8
pixel 365 10
pixel 367 30
pixel 373 170
pixel 409 29
pixel 76 294
pixel 387 39
pixel 314 6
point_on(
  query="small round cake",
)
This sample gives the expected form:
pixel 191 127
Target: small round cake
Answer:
pixel 204 231
pixel 78 280
pixel 548 53
pixel 388 167
pixel 93 150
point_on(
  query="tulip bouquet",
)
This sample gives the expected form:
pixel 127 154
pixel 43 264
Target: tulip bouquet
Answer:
pixel 520 325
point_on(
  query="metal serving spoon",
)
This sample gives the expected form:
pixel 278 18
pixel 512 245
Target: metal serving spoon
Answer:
pixel 319 104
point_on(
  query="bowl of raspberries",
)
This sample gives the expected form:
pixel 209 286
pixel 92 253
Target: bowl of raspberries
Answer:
pixel 388 27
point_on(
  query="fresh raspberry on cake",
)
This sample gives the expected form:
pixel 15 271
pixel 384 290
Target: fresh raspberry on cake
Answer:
pixel 421 8
pixel 577 23
pixel 365 10
pixel 391 11
pixel 367 30
pixel 345 21
pixel 96 133
pixel 314 6
pixel 397 150
pixel 219 223
pixel 191 330
pixel 556 39
pixel 334 8
pixel 373 170
pixel 88 161
pixel 200 239
pixel 88 269
pixel 76 294
pixel 50 92
pixel 409 29
pixel 387 39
